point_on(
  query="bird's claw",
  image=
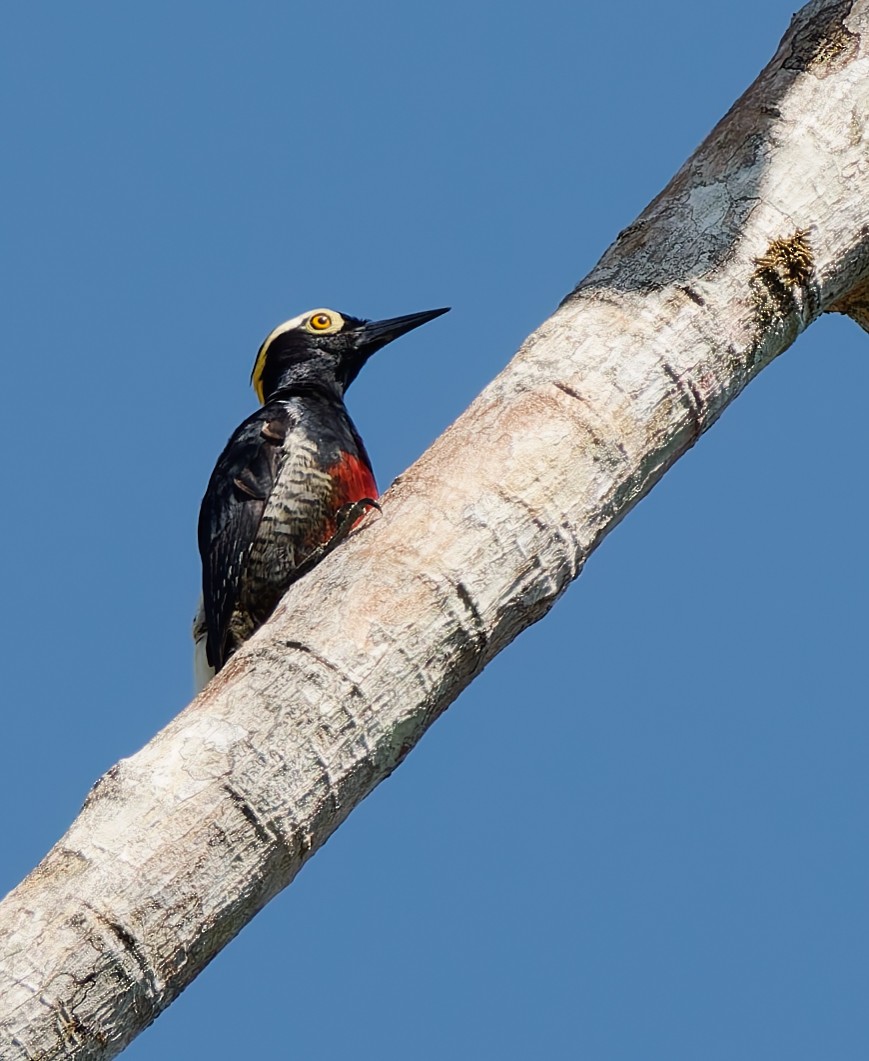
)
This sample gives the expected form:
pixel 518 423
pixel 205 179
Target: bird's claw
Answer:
pixel 346 519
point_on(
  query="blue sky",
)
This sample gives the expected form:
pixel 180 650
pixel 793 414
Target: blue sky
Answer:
pixel 641 833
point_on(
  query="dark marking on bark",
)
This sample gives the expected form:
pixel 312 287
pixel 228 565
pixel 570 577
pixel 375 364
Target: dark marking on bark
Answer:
pixel 695 296
pixel 464 595
pixel 103 786
pixel 691 397
pixel 297 646
pixel 634 234
pixel 127 941
pixel 264 832
pixel 822 42
pixel 569 390
pixel 148 994
pixel 513 499
pixel 330 786
pixel 596 437
pixel 217 837
pixel 735 362
pixel 70 1027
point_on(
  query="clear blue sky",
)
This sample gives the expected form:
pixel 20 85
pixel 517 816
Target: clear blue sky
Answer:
pixel 642 833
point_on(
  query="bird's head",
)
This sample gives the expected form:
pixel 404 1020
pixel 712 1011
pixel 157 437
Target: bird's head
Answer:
pixel 324 347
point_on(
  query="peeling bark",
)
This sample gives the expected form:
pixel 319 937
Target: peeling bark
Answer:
pixel 762 230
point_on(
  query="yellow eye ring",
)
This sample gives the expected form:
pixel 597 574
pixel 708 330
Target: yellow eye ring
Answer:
pixel 320 322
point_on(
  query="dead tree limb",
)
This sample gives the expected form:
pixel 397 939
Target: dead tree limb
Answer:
pixel 762 230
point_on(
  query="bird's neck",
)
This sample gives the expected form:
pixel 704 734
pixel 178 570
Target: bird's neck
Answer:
pixel 293 384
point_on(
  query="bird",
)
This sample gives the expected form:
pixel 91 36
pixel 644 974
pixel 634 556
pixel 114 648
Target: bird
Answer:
pixel 293 479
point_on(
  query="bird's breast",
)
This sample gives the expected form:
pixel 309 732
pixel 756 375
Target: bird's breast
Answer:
pixel 297 512
pixel 315 477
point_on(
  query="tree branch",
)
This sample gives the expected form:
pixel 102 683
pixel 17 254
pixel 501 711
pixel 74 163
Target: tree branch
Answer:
pixel 763 229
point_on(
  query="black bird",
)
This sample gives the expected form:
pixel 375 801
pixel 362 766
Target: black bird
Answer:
pixel 292 479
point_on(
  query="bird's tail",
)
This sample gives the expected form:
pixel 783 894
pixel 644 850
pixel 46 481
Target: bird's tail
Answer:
pixel 203 672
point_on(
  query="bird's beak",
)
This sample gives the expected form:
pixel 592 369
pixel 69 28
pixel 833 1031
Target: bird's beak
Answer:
pixel 375 334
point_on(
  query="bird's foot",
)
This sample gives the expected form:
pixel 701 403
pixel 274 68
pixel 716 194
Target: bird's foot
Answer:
pixel 346 519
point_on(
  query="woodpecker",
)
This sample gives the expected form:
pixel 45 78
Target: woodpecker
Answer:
pixel 292 479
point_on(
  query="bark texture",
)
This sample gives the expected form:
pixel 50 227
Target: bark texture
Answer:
pixel 764 228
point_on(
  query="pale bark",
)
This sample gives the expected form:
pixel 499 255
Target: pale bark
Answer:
pixel 762 230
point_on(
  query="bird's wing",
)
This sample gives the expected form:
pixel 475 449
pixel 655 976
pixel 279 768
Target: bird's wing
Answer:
pixel 231 512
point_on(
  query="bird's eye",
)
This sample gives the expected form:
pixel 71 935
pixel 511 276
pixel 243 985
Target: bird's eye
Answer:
pixel 320 322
